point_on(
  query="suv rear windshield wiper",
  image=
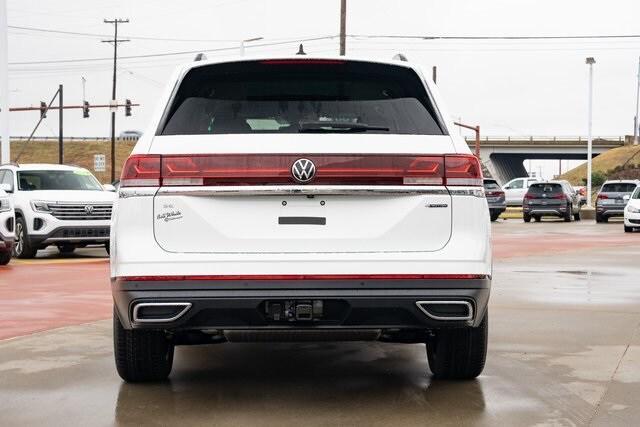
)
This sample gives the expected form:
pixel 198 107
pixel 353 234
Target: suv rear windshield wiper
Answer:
pixel 334 126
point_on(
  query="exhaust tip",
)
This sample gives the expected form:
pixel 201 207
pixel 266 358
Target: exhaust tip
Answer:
pixel 159 312
pixel 446 310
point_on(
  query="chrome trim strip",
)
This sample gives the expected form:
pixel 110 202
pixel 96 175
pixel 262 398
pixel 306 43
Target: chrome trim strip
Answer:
pixel 75 239
pixel 126 193
pixel 136 308
pixel 476 191
pixel 271 190
pixel 434 317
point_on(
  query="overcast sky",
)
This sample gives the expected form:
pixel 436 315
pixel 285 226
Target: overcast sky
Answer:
pixel 508 87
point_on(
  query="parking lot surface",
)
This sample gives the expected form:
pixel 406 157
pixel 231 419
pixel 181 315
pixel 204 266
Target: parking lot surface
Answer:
pixel 564 350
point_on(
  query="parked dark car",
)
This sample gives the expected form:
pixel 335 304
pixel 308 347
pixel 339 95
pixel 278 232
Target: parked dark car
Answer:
pixel 551 198
pixel 611 198
pixel 495 198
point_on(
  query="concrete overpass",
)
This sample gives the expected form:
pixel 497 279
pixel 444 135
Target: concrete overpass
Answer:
pixel 504 157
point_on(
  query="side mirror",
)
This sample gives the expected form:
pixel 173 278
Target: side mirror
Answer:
pixel 109 187
pixel 626 197
pixel 8 188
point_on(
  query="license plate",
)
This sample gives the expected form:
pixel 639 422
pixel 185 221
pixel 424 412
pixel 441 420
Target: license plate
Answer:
pixel 619 202
pixel 492 199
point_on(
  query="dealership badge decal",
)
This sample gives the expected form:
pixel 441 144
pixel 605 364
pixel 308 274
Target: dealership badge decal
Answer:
pixel 303 170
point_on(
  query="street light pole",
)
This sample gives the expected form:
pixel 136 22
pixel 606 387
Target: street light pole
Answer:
pixel 590 61
pixel 635 119
pixel 242 42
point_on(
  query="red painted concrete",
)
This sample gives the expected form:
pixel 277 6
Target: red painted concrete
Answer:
pixel 41 295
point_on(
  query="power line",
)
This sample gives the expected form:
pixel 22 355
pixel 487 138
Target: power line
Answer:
pixel 158 55
pixel 96 35
pixel 394 36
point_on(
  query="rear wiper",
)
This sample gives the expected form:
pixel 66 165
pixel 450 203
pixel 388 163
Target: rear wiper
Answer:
pixel 329 126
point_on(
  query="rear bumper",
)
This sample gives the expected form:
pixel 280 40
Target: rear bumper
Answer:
pixel 610 211
pixel 349 304
pixel 547 210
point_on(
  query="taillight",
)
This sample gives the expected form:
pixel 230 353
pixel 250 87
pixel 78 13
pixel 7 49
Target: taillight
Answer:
pixel 559 197
pixel 141 170
pixel 462 170
pixel 330 169
pixel 602 196
pixel 529 196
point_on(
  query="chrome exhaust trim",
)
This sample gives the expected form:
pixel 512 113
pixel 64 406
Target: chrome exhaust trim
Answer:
pixel 468 316
pixel 136 311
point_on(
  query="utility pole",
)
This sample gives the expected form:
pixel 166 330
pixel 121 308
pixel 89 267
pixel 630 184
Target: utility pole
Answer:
pixel 343 27
pixel 60 138
pixel 590 61
pixel 635 119
pixel 115 42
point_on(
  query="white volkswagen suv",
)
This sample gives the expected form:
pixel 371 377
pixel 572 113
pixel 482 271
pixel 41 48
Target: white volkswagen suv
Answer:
pixel 295 199
pixel 6 226
pixel 56 205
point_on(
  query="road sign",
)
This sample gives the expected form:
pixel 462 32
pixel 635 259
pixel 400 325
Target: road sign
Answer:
pixel 99 162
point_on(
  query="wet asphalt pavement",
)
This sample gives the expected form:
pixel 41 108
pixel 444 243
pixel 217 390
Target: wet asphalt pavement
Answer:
pixel 564 350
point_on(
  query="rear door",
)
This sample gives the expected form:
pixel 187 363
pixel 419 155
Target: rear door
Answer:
pixel 300 156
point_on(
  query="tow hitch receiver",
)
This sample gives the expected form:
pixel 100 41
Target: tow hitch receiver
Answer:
pixel 292 310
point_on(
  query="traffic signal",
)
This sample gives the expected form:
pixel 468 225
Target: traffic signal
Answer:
pixel 127 107
pixel 85 109
pixel 43 110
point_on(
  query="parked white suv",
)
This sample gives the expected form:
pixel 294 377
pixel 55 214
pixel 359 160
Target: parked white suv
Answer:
pixel 515 190
pixel 6 227
pixel 301 198
pixel 56 205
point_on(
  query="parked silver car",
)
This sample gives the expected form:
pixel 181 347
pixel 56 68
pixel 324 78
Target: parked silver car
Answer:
pixel 611 199
pixel 495 198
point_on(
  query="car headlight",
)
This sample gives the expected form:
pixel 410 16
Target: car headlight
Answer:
pixel 40 206
pixel 5 205
pixel 632 209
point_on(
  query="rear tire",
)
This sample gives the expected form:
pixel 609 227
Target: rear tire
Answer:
pixel 628 229
pixel 601 218
pixel 494 216
pixel 538 218
pixel 459 353
pixel 526 217
pixel 5 257
pixel 576 216
pixel 567 214
pixel 22 248
pixel 107 248
pixel 141 354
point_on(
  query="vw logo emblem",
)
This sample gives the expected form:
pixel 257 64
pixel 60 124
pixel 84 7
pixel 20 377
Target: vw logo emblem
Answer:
pixel 303 170
pixel 88 209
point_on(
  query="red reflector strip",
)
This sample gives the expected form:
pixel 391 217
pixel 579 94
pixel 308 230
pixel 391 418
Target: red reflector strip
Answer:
pixel 264 169
pixel 304 277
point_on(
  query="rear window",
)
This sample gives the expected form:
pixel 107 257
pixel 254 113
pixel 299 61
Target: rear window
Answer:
pixel 294 96
pixel 619 187
pixel 491 185
pixel 539 189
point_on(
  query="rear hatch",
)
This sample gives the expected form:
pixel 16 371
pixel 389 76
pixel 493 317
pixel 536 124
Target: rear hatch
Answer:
pixel 545 195
pixel 612 194
pixel 239 139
